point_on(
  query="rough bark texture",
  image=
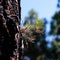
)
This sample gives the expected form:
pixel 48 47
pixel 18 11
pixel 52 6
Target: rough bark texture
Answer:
pixel 9 26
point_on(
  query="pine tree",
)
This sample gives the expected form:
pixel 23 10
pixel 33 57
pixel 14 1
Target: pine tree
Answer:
pixel 55 27
pixel 34 36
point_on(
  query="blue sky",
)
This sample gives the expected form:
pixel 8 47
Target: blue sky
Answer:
pixel 44 8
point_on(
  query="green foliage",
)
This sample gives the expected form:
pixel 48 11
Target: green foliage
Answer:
pixel 55 26
pixel 33 33
pixel 32 14
pixel 55 30
pixel 39 23
pixel 30 26
pixel 56 16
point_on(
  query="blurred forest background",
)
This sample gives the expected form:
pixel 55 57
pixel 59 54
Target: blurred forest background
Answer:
pixel 34 43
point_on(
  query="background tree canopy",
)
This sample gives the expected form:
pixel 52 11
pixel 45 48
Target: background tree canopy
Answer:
pixel 35 37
